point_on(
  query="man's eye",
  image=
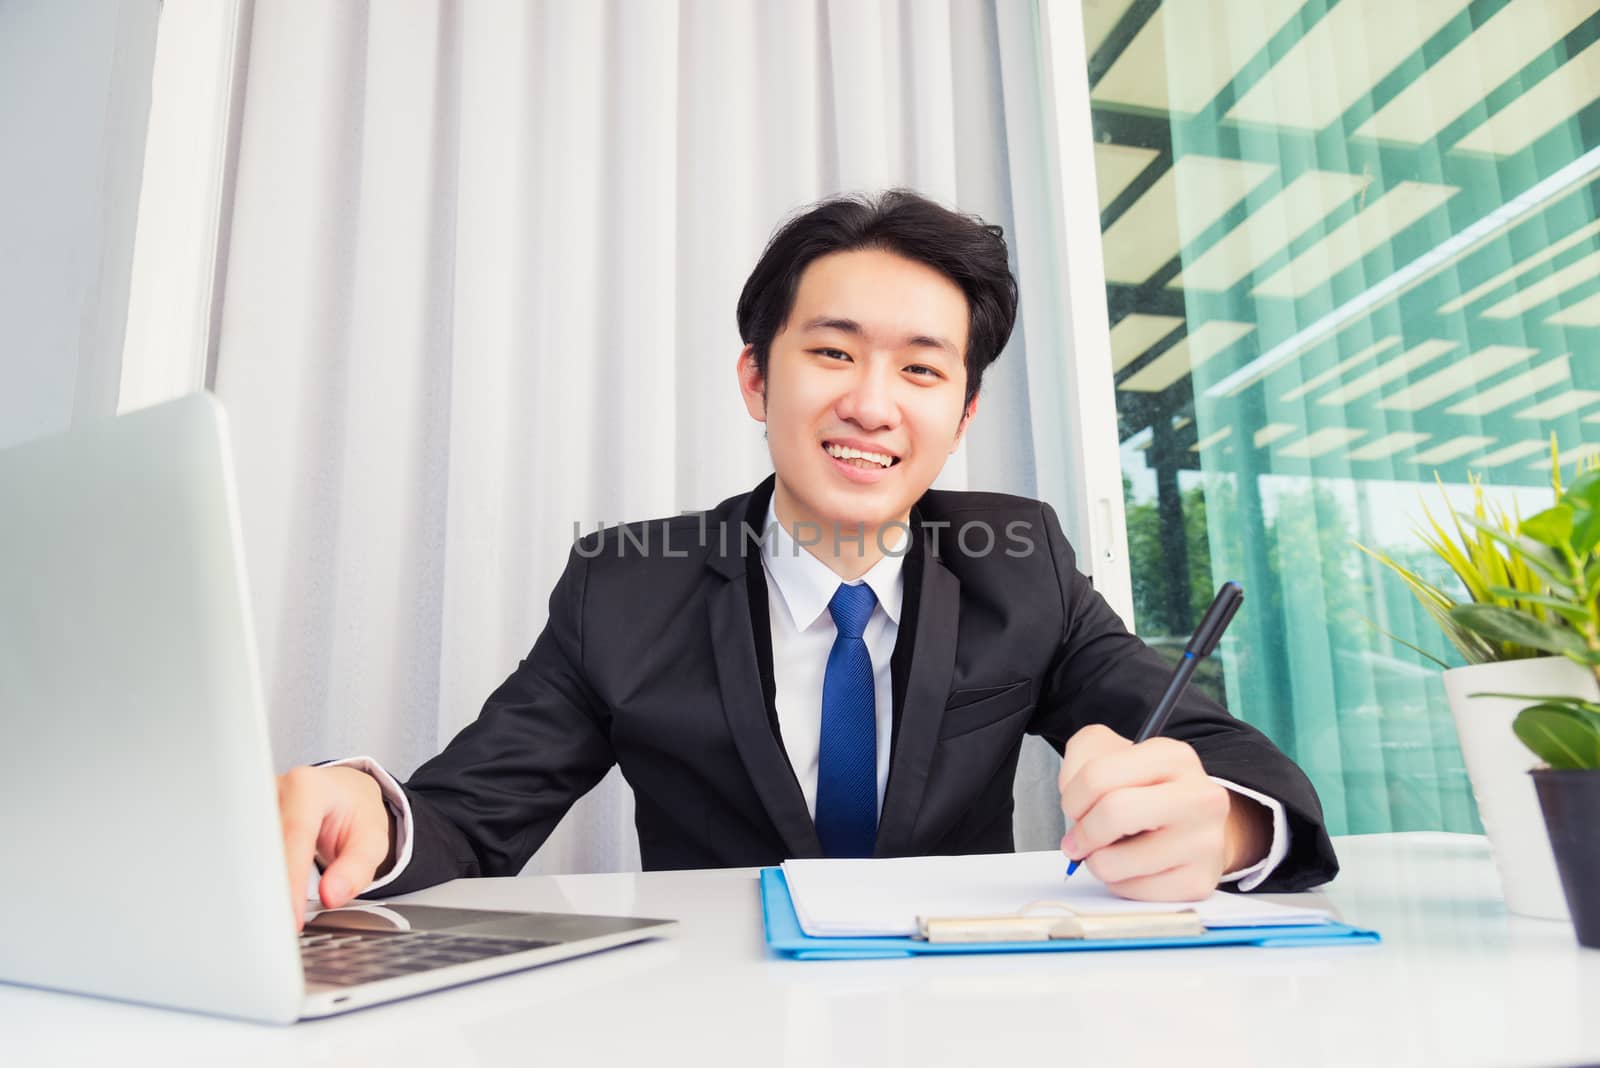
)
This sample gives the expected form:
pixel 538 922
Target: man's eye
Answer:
pixel 923 370
pixel 832 354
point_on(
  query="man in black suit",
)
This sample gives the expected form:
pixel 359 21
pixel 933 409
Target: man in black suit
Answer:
pixel 841 662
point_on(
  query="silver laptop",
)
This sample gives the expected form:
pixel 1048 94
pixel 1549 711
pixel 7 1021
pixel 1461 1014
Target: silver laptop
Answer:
pixel 140 855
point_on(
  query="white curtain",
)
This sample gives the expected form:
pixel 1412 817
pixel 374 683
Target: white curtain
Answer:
pixel 480 285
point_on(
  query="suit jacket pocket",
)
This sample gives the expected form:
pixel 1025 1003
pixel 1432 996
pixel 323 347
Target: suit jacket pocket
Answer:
pixel 974 709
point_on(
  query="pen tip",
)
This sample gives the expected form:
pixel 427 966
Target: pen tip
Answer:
pixel 1073 867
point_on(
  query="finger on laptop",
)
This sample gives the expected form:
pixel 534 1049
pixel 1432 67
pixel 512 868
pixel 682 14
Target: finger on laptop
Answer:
pixel 353 866
pixel 301 818
pixel 354 840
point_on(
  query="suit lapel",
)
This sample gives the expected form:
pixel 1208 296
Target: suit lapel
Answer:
pixel 743 700
pixel 933 658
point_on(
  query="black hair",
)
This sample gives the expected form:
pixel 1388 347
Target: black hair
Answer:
pixel 963 248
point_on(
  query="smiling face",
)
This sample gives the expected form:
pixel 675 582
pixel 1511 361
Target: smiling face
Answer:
pixel 863 393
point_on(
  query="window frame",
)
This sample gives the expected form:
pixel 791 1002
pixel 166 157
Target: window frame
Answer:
pixel 1091 401
pixel 180 237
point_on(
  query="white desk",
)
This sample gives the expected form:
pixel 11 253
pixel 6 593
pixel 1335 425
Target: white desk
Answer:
pixel 1457 981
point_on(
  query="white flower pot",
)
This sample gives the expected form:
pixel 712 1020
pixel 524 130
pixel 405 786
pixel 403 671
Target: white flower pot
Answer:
pixel 1498 765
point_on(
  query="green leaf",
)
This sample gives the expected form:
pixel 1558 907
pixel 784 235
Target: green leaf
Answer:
pixel 1585 530
pixel 1465 567
pixel 1501 624
pixel 1560 735
pixel 1445 546
pixel 1396 638
pixel 1542 560
pixel 1576 614
pixel 1424 590
pixel 1473 649
pixel 1585 490
pixel 1552 527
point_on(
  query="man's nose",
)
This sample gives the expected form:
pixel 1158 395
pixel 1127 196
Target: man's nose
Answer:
pixel 870 402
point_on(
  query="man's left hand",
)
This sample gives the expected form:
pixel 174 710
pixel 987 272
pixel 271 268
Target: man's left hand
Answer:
pixel 1149 822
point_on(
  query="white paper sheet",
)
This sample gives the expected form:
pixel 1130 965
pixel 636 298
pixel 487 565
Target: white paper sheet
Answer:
pixel 862 898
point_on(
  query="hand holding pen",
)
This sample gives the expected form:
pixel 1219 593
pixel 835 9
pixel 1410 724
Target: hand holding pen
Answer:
pixel 1154 823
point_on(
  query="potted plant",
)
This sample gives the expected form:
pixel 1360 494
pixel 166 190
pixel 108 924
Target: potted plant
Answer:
pixel 1507 631
pixel 1562 727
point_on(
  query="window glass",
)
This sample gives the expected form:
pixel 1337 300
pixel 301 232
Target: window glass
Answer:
pixel 1353 262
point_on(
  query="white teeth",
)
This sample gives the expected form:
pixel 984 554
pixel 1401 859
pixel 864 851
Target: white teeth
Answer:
pixel 844 452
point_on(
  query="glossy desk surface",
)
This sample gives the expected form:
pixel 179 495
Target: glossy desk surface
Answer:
pixel 1457 981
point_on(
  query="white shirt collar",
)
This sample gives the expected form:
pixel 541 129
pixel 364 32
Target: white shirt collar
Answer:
pixel 807 584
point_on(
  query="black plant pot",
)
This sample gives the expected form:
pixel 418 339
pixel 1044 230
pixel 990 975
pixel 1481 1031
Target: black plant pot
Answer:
pixel 1571 804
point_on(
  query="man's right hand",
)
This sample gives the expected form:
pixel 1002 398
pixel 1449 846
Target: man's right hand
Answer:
pixel 337 816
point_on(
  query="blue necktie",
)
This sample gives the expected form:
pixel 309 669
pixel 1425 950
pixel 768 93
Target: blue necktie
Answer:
pixel 847 765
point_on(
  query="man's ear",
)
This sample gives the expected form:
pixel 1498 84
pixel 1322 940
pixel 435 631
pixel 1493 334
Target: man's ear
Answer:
pixel 966 418
pixel 752 384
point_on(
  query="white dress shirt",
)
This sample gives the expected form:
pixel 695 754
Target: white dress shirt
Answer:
pixel 799 587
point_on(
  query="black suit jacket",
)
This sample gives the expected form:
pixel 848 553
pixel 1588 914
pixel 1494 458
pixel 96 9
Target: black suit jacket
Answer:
pixel 657 656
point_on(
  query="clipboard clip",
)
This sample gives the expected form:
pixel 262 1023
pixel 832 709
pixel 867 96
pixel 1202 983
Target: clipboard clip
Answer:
pixel 1042 921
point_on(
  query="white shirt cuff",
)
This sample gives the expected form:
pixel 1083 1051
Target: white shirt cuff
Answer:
pixel 1253 876
pixel 395 799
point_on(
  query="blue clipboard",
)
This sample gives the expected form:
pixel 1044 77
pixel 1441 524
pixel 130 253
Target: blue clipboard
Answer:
pixel 785 938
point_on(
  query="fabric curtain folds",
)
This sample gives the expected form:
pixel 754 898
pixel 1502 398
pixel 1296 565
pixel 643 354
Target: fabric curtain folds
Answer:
pixel 480 284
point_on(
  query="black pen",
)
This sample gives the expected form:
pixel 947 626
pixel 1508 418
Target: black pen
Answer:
pixel 1205 639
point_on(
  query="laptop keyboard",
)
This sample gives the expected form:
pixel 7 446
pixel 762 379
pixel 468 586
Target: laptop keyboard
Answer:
pixel 346 958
